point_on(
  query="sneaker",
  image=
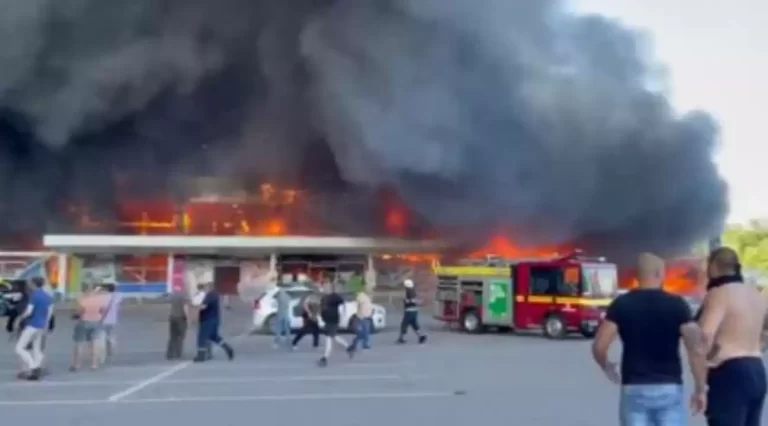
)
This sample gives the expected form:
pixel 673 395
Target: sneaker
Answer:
pixel 323 362
pixel 34 375
pixel 400 341
pixel 422 339
pixel 230 352
pixel 351 352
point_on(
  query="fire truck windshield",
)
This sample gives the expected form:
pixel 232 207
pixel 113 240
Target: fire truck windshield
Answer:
pixel 600 280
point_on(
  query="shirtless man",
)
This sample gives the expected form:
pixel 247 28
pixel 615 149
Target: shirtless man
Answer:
pixel 732 320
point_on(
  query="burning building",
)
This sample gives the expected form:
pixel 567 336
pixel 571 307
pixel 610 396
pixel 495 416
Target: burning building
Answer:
pixel 408 118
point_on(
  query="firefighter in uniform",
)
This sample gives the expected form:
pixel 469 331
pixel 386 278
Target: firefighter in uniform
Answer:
pixel 410 313
pixel 208 303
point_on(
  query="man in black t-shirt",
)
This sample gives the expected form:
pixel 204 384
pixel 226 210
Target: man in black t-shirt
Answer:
pixel 650 323
pixel 330 305
pixel 309 319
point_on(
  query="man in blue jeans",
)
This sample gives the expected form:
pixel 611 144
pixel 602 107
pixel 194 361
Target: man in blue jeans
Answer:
pixel 281 326
pixel 364 317
pixel 650 323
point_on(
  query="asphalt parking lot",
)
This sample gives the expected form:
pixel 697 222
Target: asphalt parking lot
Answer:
pixel 454 379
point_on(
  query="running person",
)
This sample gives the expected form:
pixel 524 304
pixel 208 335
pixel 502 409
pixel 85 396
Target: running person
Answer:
pixel 410 314
pixel 364 321
pixel 310 322
pixel 733 320
pixel 330 305
pixel 209 305
pixel 281 327
pixel 37 316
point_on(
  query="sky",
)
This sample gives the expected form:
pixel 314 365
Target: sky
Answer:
pixel 715 53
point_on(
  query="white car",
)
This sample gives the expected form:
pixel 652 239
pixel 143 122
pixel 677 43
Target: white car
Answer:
pixel 265 309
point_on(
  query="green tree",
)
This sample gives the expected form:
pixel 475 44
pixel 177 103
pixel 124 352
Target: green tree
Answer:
pixel 751 242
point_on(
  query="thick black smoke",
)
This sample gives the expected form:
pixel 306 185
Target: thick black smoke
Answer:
pixel 482 114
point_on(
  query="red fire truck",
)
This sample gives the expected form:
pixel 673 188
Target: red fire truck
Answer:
pixel 561 294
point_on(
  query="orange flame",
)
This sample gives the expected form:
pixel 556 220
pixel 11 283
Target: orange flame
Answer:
pixel 503 247
pixel 682 276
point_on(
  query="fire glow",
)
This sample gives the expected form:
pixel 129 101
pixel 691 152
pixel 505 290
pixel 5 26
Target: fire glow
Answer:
pixel 682 276
pixel 271 211
pixel 274 211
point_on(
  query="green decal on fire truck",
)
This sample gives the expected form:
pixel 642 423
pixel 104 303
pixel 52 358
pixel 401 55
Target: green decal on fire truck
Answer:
pixel 498 300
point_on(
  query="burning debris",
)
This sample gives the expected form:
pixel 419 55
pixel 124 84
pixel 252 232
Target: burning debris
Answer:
pixel 483 117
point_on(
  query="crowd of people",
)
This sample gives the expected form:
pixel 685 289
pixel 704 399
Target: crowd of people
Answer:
pixel 725 341
pixel 97 311
pixel 29 309
pixel 321 315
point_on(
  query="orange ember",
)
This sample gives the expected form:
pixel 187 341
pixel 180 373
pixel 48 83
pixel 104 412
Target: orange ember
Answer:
pixel 503 247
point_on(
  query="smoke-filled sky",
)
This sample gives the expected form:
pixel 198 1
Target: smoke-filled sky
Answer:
pixel 482 114
pixel 715 52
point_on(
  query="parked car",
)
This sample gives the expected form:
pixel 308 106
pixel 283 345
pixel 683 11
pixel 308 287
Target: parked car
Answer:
pixel 265 309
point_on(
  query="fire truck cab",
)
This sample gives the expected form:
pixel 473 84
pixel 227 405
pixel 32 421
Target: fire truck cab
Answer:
pixel 559 295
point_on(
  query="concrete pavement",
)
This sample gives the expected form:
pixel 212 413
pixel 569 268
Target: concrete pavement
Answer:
pixel 455 379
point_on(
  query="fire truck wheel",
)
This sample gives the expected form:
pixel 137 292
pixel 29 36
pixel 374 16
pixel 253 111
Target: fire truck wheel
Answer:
pixel 470 322
pixel 554 327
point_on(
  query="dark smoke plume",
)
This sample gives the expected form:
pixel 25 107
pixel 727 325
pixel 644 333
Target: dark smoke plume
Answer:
pixel 484 115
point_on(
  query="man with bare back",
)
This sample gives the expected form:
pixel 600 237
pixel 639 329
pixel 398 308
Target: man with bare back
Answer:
pixel 733 321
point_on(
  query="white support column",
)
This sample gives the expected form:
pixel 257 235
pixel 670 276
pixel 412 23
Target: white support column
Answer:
pixel 273 264
pixel 370 274
pixel 63 274
pixel 169 276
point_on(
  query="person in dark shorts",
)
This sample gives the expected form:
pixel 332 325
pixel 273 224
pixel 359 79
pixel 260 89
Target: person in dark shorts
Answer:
pixel 310 322
pixel 330 305
pixel 208 302
pixel 410 314
pixel 733 319
pixel 650 323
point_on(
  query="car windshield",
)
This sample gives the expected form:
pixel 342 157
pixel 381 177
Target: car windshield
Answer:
pixel 600 280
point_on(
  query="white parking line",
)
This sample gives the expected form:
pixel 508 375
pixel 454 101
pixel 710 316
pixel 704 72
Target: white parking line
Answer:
pixel 242 368
pixel 154 379
pixel 162 375
pixel 310 378
pixel 262 364
pixel 241 398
